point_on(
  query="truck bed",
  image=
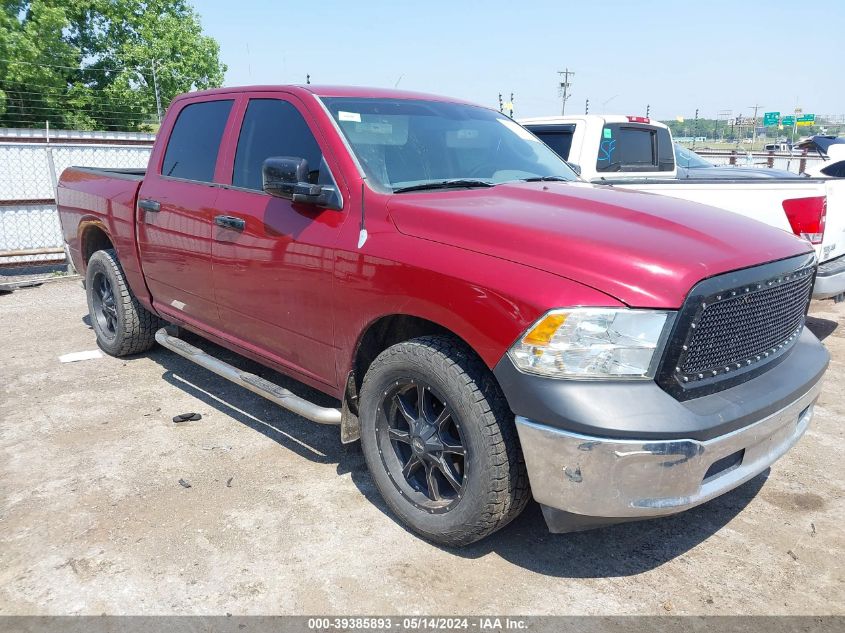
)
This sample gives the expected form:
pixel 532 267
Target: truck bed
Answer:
pixel 95 202
pixel 126 173
pixel 760 199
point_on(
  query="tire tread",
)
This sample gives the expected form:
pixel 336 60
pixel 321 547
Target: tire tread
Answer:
pixel 139 324
pixel 510 490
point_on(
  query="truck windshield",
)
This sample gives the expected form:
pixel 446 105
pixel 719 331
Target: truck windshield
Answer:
pixel 408 144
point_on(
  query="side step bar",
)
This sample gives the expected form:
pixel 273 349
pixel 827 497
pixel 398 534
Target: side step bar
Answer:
pixel 256 384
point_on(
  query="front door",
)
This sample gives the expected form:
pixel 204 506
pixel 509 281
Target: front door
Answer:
pixel 273 258
pixel 175 214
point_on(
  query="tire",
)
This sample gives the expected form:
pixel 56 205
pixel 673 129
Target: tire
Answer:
pixel 437 379
pixel 122 325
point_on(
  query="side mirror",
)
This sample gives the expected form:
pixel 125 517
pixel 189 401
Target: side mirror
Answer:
pixel 575 167
pixel 287 177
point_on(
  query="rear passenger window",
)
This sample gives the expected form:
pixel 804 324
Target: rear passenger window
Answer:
pixel 195 141
pixel 560 142
pixel 273 127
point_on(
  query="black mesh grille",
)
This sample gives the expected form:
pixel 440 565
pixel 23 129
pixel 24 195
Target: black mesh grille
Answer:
pixel 742 326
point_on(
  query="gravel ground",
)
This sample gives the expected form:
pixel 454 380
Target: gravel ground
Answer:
pixel 279 518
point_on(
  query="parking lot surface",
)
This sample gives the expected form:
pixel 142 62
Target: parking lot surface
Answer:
pixel 108 506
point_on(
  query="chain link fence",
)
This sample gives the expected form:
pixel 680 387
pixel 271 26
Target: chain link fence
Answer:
pixel 30 232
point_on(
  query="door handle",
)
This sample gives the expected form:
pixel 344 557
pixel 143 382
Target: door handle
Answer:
pixel 149 205
pixel 230 222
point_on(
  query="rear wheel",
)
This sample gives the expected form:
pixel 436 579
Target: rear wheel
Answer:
pixel 122 325
pixel 440 441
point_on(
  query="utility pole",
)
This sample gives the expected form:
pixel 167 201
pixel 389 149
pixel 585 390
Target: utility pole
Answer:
pixel 754 134
pixel 564 88
pixel 695 128
pixel 723 114
pixel 798 111
pixel 501 104
pixel 308 79
pixel 647 110
pixel 510 106
pixel 155 87
pixel 587 107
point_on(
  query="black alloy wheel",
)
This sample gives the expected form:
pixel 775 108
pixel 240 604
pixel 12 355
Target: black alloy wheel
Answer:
pixel 421 446
pixel 105 308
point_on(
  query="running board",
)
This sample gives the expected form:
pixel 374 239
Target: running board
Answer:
pixel 256 384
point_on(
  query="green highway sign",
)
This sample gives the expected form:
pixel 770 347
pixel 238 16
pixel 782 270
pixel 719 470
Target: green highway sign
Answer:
pixel 771 118
pixel 788 120
pixel 805 120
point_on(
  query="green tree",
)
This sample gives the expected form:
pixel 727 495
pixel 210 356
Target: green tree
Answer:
pixel 93 64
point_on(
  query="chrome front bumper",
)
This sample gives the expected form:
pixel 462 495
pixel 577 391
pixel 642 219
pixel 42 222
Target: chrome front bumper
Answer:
pixel 628 479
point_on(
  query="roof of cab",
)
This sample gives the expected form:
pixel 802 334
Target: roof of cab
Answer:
pixel 361 92
pixel 572 118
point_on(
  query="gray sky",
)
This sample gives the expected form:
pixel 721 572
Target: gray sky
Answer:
pixel 675 56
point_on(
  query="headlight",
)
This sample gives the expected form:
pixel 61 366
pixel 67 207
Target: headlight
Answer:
pixel 593 343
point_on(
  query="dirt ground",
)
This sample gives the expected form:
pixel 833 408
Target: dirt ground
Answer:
pixel 279 518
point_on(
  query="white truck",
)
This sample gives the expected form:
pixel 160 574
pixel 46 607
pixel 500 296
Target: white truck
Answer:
pixel 635 152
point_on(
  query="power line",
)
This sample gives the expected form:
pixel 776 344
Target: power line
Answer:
pixel 30 123
pixel 40 116
pixel 11 86
pixel 101 96
pixel 76 68
pixel 71 107
pixel 66 108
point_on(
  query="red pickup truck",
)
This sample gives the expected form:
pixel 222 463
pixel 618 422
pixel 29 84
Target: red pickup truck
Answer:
pixel 483 318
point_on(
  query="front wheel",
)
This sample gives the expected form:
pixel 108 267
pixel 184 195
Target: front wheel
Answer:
pixel 122 325
pixel 440 442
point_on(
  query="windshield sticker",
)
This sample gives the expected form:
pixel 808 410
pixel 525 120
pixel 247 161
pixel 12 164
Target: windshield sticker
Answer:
pixel 520 131
pixel 349 116
pixel 374 127
pixel 606 151
pixel 608 133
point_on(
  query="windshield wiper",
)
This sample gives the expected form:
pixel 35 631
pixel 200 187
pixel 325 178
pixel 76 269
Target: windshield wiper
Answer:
pixel 546 179
pixel 455 183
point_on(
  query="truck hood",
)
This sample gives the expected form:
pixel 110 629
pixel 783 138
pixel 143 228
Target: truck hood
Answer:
pixel 642 249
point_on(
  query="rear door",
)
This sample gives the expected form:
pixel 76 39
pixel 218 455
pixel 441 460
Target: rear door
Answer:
pixel 273 258
pixel 176 209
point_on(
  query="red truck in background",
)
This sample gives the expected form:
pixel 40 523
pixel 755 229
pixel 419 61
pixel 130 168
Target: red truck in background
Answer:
pixel 483 318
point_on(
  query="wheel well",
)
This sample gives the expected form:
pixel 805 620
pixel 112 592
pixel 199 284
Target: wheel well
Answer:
pixel 381 334
pixel 94 239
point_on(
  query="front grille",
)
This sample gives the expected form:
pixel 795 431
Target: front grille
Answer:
pixel 746 326
pixel 735 323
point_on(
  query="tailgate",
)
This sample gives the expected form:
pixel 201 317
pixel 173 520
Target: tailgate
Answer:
pixel 833 245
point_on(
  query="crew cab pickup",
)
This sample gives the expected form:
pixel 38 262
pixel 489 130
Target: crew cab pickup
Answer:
pixel 488 325
pixel 635 152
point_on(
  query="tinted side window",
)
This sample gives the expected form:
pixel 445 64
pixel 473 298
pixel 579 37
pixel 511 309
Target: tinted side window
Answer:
pixel 195 141
pixel 633 148
pixel 274 128
pixel 836 170
pixel 560 142
pixel 665 152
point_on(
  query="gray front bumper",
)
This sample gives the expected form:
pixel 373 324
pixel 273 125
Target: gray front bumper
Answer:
pixel 627 479
pixel 830 279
